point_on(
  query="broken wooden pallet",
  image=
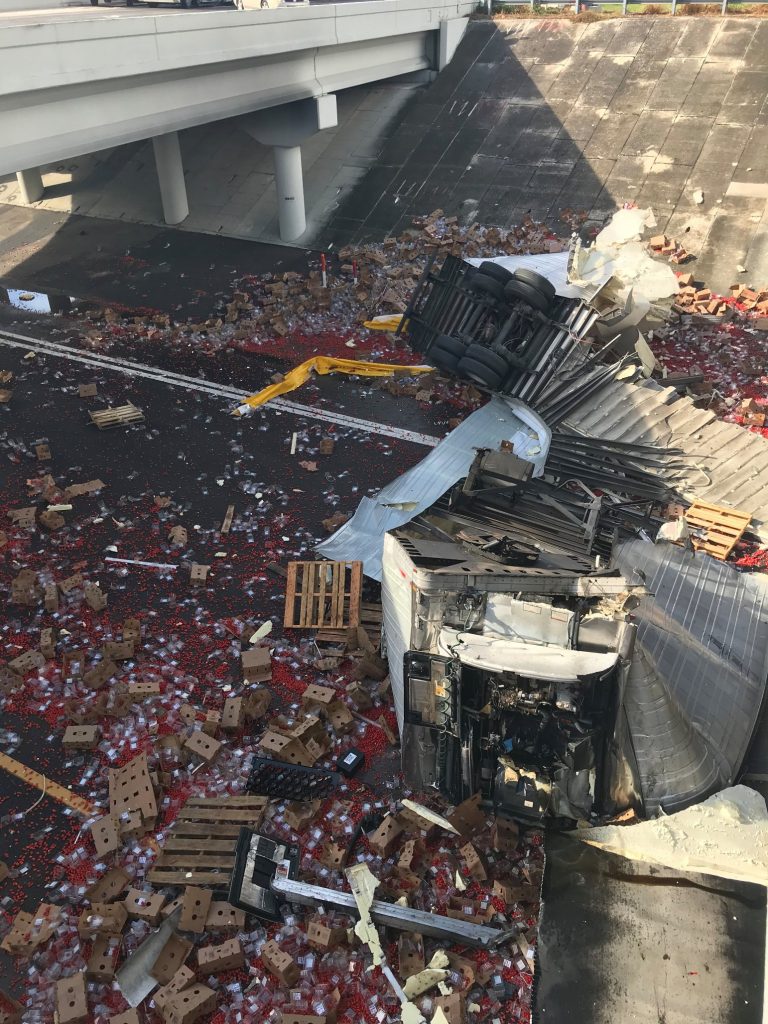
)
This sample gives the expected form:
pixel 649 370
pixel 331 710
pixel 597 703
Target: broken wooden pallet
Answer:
pixel 200 846
pixel 724 528
pixel 116 416
pixel 323 595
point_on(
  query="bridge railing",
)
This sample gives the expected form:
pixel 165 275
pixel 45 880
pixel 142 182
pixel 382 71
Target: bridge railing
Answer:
pixel 625 6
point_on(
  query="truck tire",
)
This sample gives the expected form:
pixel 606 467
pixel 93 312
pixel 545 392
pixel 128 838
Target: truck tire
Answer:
pixel 488 286
pixel 498 273
pixel 521 291
pixel 480 373
pixel 445 343
pixel 536 281
pixel 494 361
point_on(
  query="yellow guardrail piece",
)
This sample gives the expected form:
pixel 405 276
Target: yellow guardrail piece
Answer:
pixel 327 364
pixel 48 788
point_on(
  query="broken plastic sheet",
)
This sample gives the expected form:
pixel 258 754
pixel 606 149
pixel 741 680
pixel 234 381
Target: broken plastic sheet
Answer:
pixel 725 835
pixel 502 419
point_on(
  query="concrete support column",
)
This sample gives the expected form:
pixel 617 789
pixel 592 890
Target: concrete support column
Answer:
pixel 31 185
pixel 290 192
pixel 284 128
pixel 170 174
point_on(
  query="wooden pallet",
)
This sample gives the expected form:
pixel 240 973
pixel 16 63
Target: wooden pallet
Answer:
pixel 116 416
pixel 200 846
pixel 724 527
pixel 323 595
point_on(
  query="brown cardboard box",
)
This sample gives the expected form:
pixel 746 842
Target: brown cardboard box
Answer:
pixel 27 662
pixel 144 906
pixel 74 582
pixel 324 937
pixel 283 748
pixel 190 1005
pixel 194 909
pixel 257 664
pixel 129 1017
pixel 280 964
pixel 119 650
pixel 203 746
pixel 410 952
pixel 171 958
pixel 340 717
pixel 334 855
pixel 130 789
pixel 181 980
pixel 233 714
pixel 222 917
pixel 411 854
pixel 51 597
pixel 299 813
pixel 469 816
pixel 81 737
pixel 101 919
pixel 47 643
pixel 106 838
pixel 144 688
pixel 178 537
pixel 454 1006
pixel 229 956
pixel 108 887
pixel 505 835
pixel 100 674
pixel 72 1000
pixel 102 962
pixel 4 871
pixel 132 630
pixel 474 862
pixel 95 598
pixel 257 703
pixel 318 695
pixel 386 837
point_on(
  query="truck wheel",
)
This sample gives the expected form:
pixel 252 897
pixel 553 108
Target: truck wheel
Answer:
pixel 495 362
pixel 536 281
pixel 479 372
pixel 521 291
pixel 498 273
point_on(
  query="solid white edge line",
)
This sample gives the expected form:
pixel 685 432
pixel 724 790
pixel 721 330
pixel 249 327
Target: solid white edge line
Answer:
pixel 57 349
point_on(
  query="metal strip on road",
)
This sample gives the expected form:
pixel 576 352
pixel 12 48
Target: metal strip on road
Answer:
pixel 128 366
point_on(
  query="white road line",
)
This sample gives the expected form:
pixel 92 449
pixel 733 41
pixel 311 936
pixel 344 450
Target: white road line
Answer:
pixel 113 363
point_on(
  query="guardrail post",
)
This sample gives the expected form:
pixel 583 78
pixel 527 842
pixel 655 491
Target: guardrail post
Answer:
pixel 575 6
pixel 623 6
pixel 724 8
pixel 674 7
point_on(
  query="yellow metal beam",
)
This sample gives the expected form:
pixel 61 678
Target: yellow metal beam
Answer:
pixel 44 784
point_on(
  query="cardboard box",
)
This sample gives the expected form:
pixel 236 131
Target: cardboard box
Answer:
pixel 47 643
pixel 229 956
pixel 203 746
pixel 178 537
pixel 299 813
pixel 51 597
pixel 144 906
pixel 194 909
pixel 171 958
pixel 469 816
pixel 386 837
pixel 72 1000
pixel 95 597
pixel 318 695
pixel 71 583
pixel 181 980
pixel 132 630
pixel 144 688
pixel 102 919
pixel 505 835
pixel 257 664
pixel 340 718
pixel 257 703
pixel 410 952
pixel 233 714
pixel 119 650
pixel 454 1006
pixel 106 838
pixel 81 737
pixel 129 1017
pixel 283 748
pixel 100 674
pixel 474 862
pixel 27 662
pixel 108 887
pixel 190 1005
pixel 324 937
pixel 280 964
pixel 334 856
pixel 222 916
pixel 102 962
pixel 130 789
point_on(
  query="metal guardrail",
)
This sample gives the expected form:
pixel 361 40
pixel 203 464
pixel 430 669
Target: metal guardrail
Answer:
pixel 577 6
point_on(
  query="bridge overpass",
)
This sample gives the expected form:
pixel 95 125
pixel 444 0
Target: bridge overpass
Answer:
pixel 74 85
